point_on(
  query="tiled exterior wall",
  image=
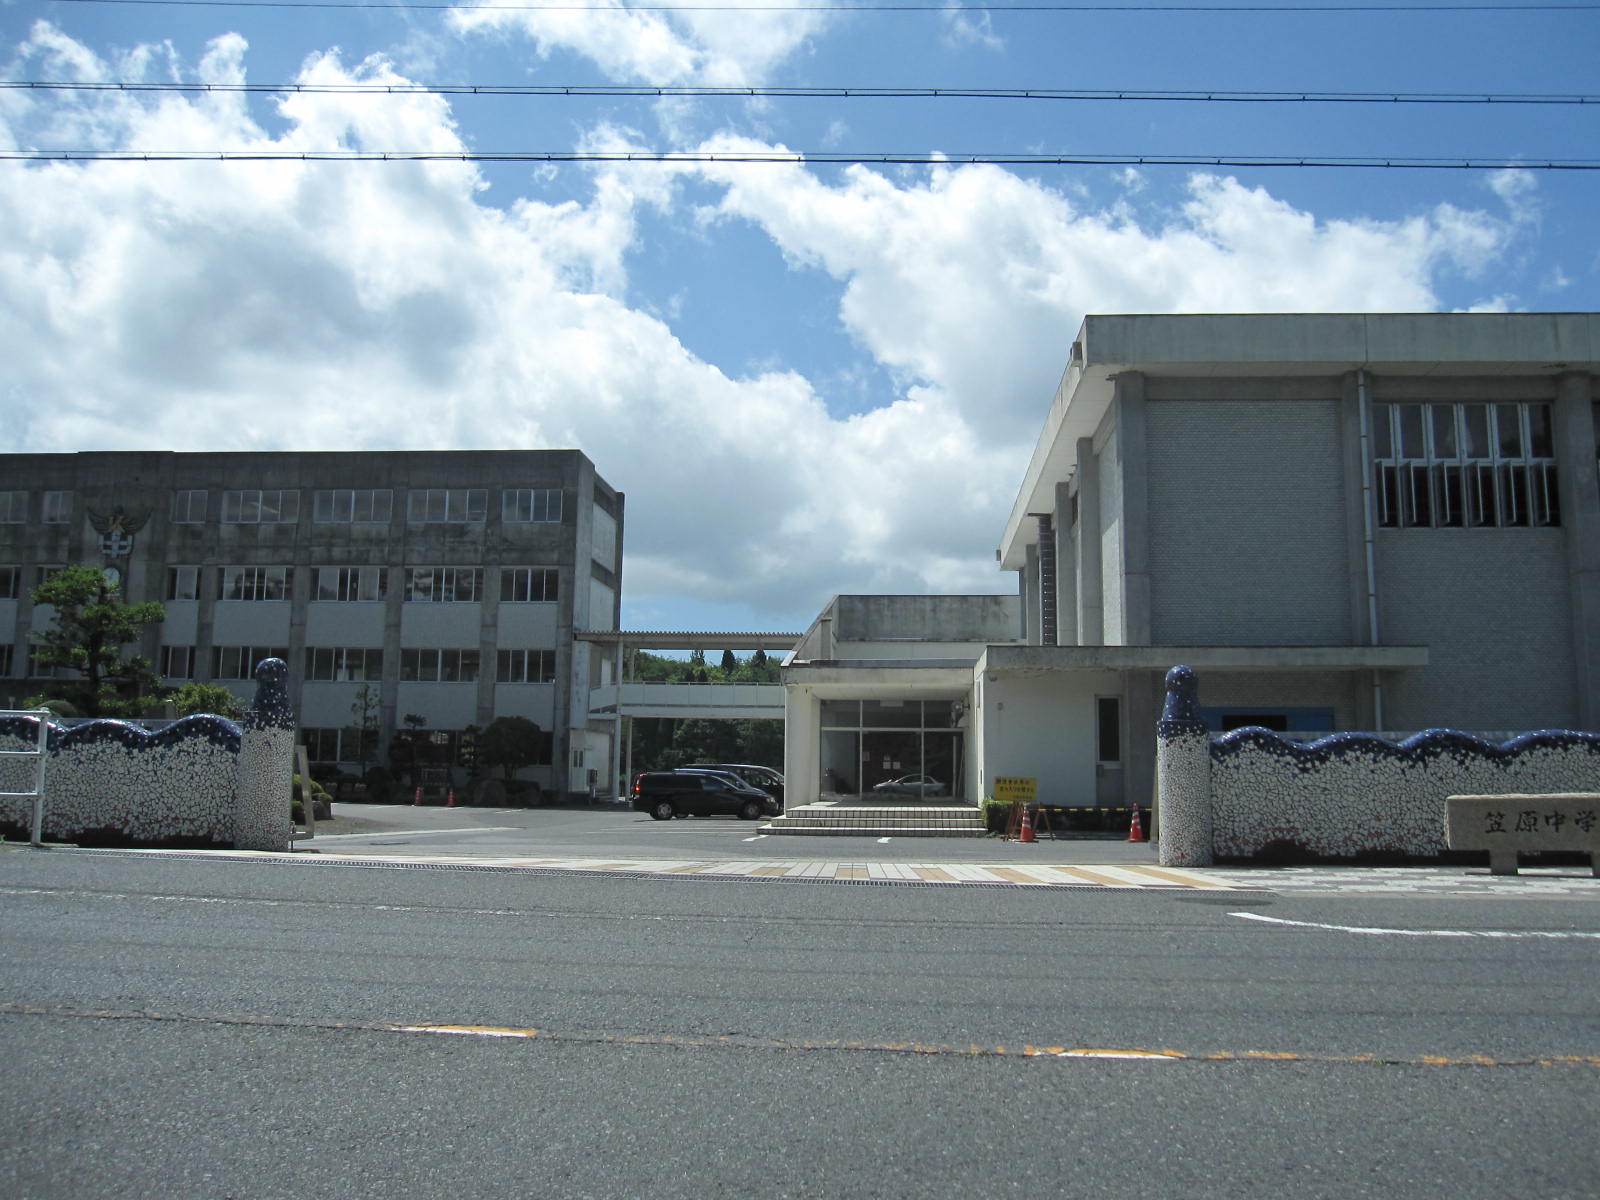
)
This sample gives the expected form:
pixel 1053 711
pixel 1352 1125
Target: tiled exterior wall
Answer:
pixel 109 776
pixel 1353 794
pixel 1493 606
pixel 1347 795
pixel 1246 547
pixel 202 779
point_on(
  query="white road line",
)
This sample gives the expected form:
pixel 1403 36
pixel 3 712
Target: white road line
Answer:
pixel 1547 934
pixel 401 834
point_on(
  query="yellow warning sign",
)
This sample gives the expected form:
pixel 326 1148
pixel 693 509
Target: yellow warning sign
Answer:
pixel 1015 787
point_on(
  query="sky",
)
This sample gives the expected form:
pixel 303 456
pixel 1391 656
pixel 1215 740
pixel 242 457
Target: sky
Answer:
pixel 808 378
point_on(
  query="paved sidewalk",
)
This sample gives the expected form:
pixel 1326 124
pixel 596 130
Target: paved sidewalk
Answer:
pixel 857 869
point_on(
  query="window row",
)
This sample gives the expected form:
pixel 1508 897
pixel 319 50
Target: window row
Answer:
pixel 518 585
pixel 424 747
pixel 342 664
pixel 55 508
pixel 1465 465
pixel 276 506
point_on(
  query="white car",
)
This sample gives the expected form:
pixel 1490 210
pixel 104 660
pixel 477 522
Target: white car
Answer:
pixel 910 785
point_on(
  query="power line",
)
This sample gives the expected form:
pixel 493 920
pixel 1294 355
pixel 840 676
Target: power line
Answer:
pixel 867 6
pixel 835 93
pixel 805 158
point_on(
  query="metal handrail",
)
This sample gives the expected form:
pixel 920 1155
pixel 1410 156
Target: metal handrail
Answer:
pixel 36 826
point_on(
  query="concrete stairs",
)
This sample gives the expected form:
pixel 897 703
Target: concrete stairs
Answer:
pixel 879 820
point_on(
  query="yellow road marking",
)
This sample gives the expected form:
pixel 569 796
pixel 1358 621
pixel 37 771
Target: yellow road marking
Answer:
pixel 710 1041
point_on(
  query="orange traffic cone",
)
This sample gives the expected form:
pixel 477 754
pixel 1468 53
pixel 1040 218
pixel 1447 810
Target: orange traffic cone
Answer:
pixel 1136 830
pixel 451 802
pixel 416 800
pixel 1027 825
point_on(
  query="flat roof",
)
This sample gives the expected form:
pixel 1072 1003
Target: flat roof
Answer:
pixel 1241 345
pixel 680 639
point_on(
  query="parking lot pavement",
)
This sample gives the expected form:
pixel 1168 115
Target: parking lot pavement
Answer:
pixel 612 831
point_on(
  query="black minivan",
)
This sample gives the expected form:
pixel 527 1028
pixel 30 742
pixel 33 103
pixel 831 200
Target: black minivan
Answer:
pixel 668 794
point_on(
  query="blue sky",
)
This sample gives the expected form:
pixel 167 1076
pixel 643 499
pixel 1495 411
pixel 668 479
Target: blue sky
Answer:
pixel 808 379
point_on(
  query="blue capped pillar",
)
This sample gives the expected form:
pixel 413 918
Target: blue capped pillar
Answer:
pixel 1183 773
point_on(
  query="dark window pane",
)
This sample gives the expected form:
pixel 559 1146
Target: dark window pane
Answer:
pixel 1444 430
pixel 1410 431
pixel 1508 430
pixel 1542 442
pixel 1475 422
pixel 1383 431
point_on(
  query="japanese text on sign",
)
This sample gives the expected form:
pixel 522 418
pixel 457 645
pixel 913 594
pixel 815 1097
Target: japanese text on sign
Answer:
pixel 1015 787
pixel 1532 820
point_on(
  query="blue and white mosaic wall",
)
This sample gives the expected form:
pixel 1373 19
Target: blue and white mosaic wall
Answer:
pixel 1344 796
pixel 201 779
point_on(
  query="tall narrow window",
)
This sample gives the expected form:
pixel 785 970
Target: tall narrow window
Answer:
pixel 189 506
pixel 57 508
pixel 1108 729
pixel 183 583
pixel 1472 465
pixel 530 504
pixel 177 662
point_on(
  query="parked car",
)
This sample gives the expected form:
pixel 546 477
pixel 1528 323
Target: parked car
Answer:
pixel 668 794
pixel 765 778
pixel 910 785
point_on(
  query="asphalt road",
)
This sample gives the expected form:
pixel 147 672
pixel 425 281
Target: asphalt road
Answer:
pixel 178 1027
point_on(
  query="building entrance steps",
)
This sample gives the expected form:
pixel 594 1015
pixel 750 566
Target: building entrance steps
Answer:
pixel 879 820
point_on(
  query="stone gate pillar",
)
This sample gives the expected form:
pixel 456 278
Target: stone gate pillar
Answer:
pixel 1183 773
pixel 264 783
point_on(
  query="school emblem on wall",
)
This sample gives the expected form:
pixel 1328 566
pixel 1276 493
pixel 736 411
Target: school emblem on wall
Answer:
pixel 116 531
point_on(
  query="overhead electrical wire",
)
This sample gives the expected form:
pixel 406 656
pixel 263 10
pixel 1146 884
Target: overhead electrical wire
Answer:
pixel 829 93
pixel 802 158
pixel 870 6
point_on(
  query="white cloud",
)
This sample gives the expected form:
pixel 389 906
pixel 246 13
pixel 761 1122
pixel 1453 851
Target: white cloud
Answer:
pixel 971 282
pixel 373 306
pixel 708 45
pixel 965 27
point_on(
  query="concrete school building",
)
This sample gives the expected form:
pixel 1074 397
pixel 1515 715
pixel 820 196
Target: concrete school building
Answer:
pixel 1341 522
pixel 444 585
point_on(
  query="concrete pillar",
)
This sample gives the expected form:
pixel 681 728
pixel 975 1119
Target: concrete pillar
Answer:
pixel 1575 448
pixel 1090 601
pixel 1031 628
pixel 264 779
pixel 802 747
pixel 1135 509
pixel 1183 768
pixel 1066 569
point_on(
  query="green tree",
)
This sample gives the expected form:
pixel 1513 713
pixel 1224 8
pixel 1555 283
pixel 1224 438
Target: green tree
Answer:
pixel 367 709
pixel 92 628
pixel 511 743
pixel 197 697
pixel 730 664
